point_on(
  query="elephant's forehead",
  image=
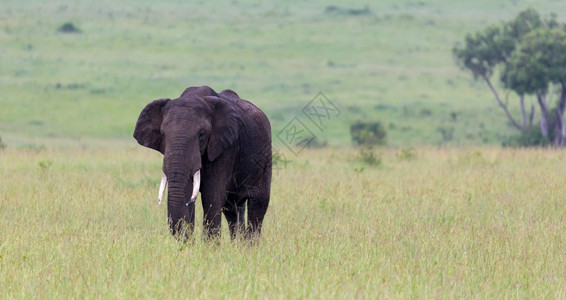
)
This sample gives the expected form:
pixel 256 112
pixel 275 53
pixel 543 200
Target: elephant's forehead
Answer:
pixel 186 116
pixel 187 106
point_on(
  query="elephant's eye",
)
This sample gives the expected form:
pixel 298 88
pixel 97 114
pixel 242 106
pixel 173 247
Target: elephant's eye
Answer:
pixel 201 133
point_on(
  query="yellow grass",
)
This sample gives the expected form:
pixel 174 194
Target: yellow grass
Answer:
pixel 482 223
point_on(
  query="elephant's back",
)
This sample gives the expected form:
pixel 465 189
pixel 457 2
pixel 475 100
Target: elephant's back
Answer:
pixel 252 115
pixel 255 116
pixel 255 162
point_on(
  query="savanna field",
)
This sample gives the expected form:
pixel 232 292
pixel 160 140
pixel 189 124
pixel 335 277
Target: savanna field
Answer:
pixel 440 211
pixel 484 223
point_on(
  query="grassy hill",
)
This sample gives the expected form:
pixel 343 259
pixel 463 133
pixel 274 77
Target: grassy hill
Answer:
pixel 390 62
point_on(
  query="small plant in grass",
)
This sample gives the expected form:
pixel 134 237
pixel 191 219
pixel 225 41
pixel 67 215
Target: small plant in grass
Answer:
pixel 2 144
pixel 406 153
pixel 279 160
pixel 45 164
pixel 368 156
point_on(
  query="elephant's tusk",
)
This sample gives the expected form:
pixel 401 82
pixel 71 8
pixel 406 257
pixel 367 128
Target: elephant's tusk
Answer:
pixel 162 187
pixel 196 187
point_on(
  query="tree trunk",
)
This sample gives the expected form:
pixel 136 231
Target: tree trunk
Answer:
pixel 532 116
pixel 559 128
pixel 541 97
pixel 501 104
pixel 523 111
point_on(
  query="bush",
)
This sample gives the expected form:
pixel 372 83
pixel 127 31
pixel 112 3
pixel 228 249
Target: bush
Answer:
pixel 2 145
pixel 447 133
pixel 347 11
pixel 68 28
pixel 279 160
pixel 406 153
pixel 45 164
pixel 368 133
pixel 531 137
pixel 368 156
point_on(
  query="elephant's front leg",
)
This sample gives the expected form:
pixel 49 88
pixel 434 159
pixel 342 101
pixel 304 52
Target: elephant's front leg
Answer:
pixel 214 184
pixel 212 217
pixel 213 200
pixel 235 215
pixel 189 219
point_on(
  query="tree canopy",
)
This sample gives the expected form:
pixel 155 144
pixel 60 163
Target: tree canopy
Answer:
pixel 539 61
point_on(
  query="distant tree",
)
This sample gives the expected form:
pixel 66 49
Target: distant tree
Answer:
pixel 493 46
pixel 481 54
pixel 538 63
pixel 528 53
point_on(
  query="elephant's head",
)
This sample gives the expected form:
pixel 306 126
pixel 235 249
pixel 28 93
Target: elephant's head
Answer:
pixel 193 129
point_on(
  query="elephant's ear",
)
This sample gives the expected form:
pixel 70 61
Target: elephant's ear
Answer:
pixel 148 127
pixel 226 126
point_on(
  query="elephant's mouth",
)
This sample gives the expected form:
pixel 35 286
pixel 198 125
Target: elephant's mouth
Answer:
pixel 196 187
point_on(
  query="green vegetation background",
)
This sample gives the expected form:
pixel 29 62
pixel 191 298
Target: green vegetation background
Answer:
pixel 389 61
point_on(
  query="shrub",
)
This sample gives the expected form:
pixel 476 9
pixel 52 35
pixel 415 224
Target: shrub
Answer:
pixel 68 28
pixel 279 160
pixel 447 133
pixel 368 133
pixel 406 153
pixel 45 164
pixel 454 116
pixel 347 11
pixel 425 112
pixel 2 145
pixel 531 137
pixel 368 156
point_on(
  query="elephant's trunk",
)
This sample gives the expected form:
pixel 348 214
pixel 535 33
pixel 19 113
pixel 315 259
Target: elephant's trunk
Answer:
pixel 181 160
pixel 177 212
pixel 182 193
pixel 194 194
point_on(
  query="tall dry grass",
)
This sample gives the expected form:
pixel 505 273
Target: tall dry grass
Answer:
pixel 485 223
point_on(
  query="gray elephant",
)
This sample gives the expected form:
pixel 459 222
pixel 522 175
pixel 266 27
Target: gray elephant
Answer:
pixel 217 144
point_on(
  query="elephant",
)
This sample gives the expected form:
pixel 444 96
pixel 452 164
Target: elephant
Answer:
pixel 215 143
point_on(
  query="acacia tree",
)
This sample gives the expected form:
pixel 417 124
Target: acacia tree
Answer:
pixel 539 63
pixel 491 48
pixel 529 52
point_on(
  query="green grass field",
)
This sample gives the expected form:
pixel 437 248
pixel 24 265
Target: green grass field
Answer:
pixel 438 217
pixel 393 64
